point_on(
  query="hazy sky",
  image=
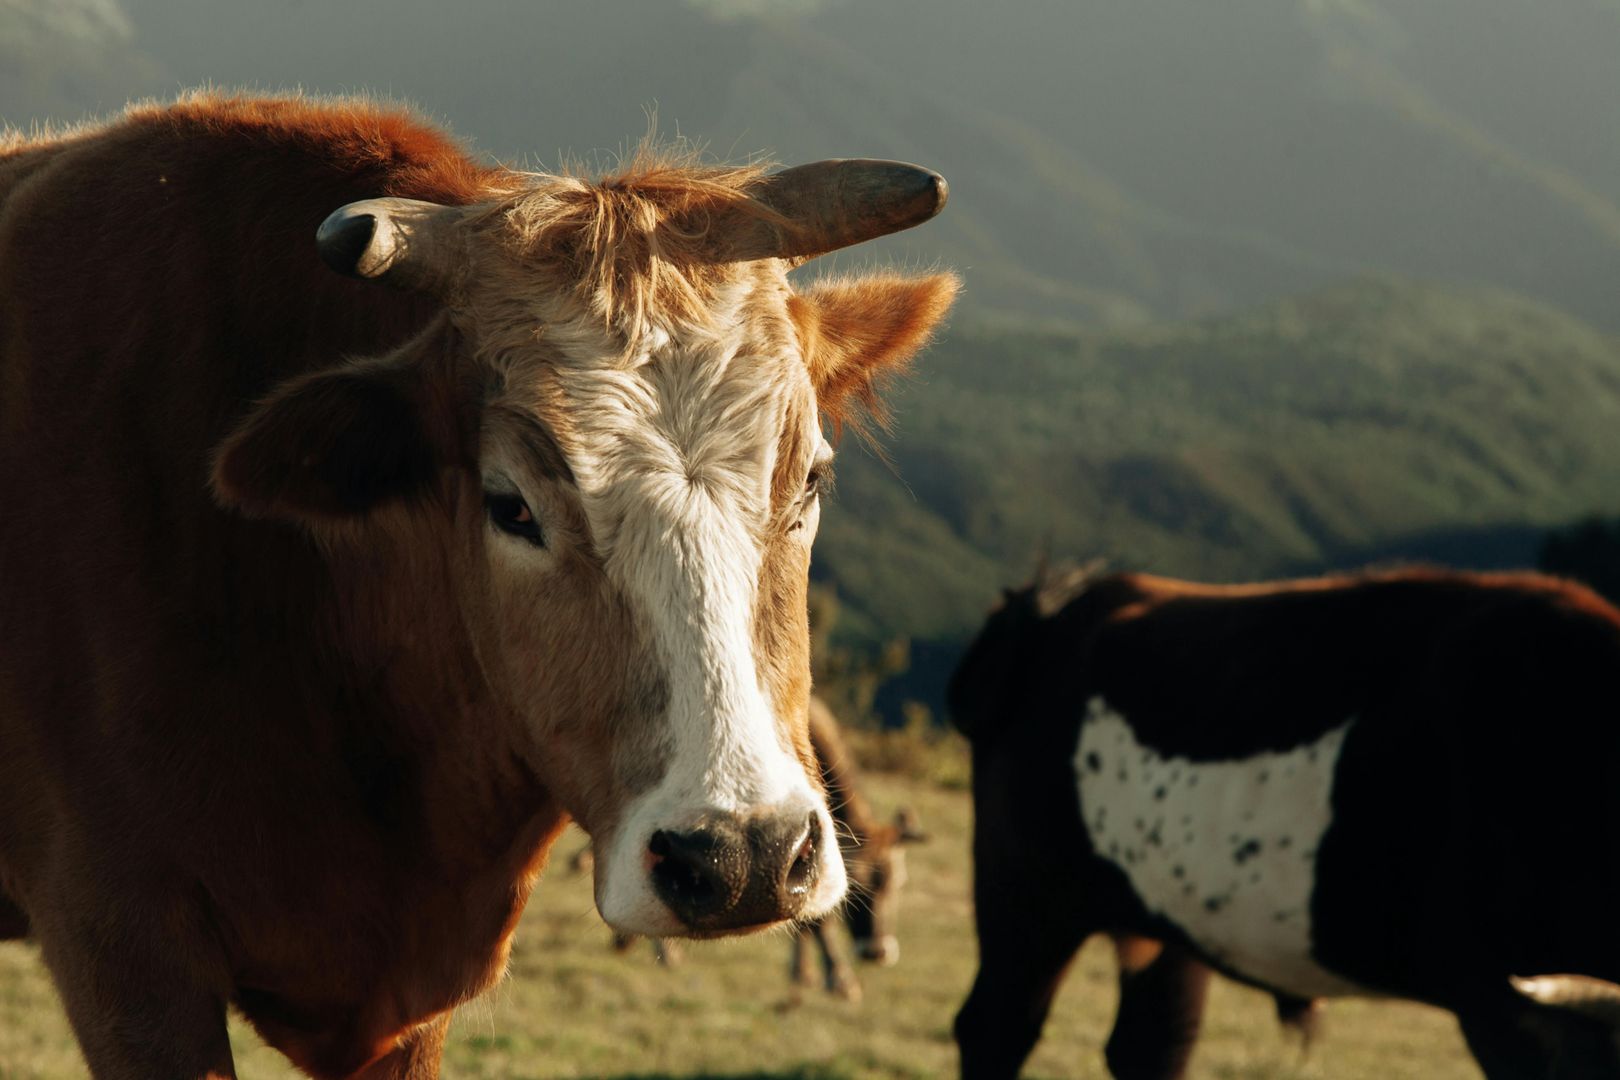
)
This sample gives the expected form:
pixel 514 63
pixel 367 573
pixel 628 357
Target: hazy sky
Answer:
pixel 1110 160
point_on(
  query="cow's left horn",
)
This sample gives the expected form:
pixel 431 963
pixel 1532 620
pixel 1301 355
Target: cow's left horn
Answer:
pixel 832 204
pixel 406 243
pixel 1578 993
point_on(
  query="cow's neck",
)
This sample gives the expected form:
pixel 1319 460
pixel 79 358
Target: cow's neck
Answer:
pixel 434 795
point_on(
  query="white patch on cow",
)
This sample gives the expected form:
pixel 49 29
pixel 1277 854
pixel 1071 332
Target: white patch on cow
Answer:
pixel 678 448
pixel 1226 850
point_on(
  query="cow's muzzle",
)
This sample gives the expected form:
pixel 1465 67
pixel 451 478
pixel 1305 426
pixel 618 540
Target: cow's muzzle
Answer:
pixel 734 874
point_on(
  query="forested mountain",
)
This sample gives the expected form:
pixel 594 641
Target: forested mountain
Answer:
pixel 1378 419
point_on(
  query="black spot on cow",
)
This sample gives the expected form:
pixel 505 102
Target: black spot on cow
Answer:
pixel 1246 851
pixel 1178 872
pixel 1285 842
pixel 1214 903
pixel 1192 781
pixel 1093 762
pixel 1265 774
pixel 1158 793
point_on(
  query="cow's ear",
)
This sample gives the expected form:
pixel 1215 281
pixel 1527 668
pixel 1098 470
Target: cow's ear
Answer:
pixel 855 331
pixel 329 445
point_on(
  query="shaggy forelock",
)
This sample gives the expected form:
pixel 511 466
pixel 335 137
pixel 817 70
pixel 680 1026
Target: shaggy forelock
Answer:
pixel 637 244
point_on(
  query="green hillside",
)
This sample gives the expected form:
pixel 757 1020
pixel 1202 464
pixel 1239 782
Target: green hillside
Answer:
pixel 1375 419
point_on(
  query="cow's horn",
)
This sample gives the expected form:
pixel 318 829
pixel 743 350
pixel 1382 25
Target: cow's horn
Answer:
pixel 406 243
pixel 833 204
pixel 1578 993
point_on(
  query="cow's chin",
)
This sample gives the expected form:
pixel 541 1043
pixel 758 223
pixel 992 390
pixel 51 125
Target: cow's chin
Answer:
pixel 628 902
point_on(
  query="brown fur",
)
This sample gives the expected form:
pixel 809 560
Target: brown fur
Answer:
pixel 883 319
pixel 278 763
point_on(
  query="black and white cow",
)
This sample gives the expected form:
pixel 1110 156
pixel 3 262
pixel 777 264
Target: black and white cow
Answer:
pixel 1398 784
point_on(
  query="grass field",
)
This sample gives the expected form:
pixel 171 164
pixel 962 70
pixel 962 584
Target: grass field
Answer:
pixel 574 1008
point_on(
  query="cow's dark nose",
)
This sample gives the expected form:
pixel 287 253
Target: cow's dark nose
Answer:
pixel 732 874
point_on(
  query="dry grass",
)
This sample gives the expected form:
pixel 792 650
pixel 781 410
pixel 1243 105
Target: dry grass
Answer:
pixel 573 1008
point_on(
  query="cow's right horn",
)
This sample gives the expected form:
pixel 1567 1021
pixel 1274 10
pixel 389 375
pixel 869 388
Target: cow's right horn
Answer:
pixel 833 204
pixel 406 243
pixel 1578 993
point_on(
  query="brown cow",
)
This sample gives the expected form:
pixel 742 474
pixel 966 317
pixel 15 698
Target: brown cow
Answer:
pixel 875 858
pixel 386 583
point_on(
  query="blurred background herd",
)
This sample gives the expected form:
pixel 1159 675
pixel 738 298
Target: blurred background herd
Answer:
pixel 1254 288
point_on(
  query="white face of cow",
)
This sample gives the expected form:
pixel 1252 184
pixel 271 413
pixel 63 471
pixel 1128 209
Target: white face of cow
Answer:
pixel 632 549
pixel 695 458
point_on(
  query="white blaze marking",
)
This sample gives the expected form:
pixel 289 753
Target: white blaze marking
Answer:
pixel 676 482
pixel 1226 850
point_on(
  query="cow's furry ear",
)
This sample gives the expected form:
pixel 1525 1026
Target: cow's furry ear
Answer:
pixel 855 331
pixel 328 445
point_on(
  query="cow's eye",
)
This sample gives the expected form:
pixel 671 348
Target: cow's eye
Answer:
pixel 510 514
pixel 817 482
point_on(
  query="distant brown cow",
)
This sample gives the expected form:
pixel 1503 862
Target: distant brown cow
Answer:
pixel 875 856
pixel 323 605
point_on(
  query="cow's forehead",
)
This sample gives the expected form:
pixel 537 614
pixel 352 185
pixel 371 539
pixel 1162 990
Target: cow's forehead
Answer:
pixel 718 416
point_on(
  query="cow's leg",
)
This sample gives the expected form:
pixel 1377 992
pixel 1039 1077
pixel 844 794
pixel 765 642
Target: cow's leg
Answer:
pixel 1022 958
pixel 1300 1015
pixel 416 1057
pixel 838 975
pixel 138 1013
pixel 1161 1005
pixel 13 923
pixel 667 952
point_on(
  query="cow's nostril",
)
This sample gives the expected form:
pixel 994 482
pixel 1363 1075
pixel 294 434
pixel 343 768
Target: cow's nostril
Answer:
pixel 687 873
pixel 802 869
